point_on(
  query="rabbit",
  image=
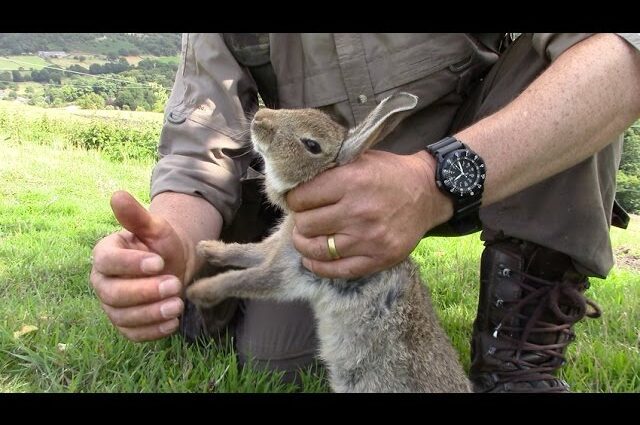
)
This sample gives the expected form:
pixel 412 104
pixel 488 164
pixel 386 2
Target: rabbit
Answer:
pixel 377 333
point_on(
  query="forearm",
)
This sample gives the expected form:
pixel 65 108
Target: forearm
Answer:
pixel 193 218
pixel 587 97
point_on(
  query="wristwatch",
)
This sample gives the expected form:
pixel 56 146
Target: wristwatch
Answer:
pixel 460 174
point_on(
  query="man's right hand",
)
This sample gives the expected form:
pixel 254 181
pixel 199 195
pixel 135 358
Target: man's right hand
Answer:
pixel 138 272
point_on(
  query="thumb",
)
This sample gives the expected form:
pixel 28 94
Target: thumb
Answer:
pixel 136 218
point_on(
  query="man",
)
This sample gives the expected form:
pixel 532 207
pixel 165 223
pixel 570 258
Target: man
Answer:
pixel 543 117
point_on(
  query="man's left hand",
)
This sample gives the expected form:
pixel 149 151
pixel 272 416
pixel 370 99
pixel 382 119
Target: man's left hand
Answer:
pixel 378 208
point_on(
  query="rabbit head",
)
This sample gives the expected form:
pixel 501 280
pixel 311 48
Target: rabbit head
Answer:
pixel 298 144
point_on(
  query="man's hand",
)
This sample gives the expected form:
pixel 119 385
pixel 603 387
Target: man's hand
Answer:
pixel 138 272
pixel 378 208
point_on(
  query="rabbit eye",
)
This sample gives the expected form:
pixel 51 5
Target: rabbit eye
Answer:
pixel 311 145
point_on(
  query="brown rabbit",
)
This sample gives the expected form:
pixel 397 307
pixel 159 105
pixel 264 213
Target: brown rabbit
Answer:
pixel 378 333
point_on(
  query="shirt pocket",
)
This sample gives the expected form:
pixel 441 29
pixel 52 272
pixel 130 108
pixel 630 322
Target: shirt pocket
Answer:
pixel 427 65
pixel 431 66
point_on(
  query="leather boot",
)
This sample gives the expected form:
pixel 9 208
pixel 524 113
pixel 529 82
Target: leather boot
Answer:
pixel 530 297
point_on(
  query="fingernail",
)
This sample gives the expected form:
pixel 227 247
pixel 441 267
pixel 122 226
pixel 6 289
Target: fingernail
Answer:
pixel 171 309
pixel 152 264
pixel 169 327
pixel 169 287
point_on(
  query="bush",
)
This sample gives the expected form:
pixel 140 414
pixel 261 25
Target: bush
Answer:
pixel 91 101
pixel 628 190
pixel 117 139
pixel 119 142
pixel 628 193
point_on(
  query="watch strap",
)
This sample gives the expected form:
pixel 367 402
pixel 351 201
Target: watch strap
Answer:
pixel 466 219
pixel 440 148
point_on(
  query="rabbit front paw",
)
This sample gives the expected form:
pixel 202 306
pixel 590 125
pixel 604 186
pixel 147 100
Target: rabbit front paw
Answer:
pixel 213 251
pixel 206 292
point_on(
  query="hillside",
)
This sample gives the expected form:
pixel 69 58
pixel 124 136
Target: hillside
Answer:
pixel 132 71
pixel 115 44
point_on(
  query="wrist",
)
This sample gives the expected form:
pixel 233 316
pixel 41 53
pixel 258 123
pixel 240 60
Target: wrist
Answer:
pixel 439 207
pixel 192 261
pixel 192 219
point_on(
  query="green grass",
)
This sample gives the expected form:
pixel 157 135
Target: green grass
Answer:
pixel 67 61
pixel 15 62
pixel 164 59
pixel 37 88
pixel 54 207
pixel 25 114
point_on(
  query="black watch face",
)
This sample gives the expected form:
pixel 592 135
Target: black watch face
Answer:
pixel 463 173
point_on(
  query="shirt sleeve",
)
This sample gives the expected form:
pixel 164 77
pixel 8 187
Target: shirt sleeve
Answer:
pixel 205 136
pixel 632 38
pixel 552 45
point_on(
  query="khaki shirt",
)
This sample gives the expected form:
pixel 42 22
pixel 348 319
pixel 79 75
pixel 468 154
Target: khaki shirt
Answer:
pixel 204 146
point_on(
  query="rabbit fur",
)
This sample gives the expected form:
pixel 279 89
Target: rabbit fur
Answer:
pixel 377 333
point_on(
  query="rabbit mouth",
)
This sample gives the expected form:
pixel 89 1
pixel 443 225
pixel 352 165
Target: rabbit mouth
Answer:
pixel 261 148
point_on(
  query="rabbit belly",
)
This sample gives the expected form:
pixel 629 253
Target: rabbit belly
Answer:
pixel 385 337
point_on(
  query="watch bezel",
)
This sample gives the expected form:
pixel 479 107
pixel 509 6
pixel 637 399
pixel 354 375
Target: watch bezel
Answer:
pixel 476 189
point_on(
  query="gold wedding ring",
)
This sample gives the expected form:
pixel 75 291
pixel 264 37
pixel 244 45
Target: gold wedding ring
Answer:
pixel 331 244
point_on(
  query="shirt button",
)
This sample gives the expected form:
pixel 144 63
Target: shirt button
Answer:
pixel 362 99
pixel 176 118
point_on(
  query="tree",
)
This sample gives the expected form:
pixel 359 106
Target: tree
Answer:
pixel 78 68
pixel 161 96
pixel 17 77
pixel 42 76
pixel 127 98
pixel 91 101
pixel 5 76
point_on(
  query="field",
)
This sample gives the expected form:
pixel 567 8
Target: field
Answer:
pixel 54 337
pixel 69 60
pixel 9 63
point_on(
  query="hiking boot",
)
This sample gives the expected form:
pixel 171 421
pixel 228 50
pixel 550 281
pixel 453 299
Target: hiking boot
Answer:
pixel 530 298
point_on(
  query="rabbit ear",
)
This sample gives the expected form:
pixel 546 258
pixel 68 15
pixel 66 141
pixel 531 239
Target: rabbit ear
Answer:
pixel 380 122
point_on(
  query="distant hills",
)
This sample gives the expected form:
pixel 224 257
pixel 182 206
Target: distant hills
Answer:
pixel 113 44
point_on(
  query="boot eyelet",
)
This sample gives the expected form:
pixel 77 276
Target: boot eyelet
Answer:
pixel 491 351
pixel 504 271
pixel 496 330
pixel 499 303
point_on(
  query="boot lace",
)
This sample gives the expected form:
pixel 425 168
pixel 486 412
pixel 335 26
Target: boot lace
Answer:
pixel 551 294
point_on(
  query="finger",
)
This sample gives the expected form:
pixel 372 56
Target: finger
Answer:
pixel 318 248
pixel 111 260
pixel 117 292
pixel 135 218
pixel 151 332
pixel 324 189
pixel 345 268
pixel 145 315
pixel 321 221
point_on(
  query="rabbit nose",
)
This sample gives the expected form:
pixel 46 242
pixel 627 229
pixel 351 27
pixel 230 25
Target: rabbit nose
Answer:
pixel 264 114
pixel 263 123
